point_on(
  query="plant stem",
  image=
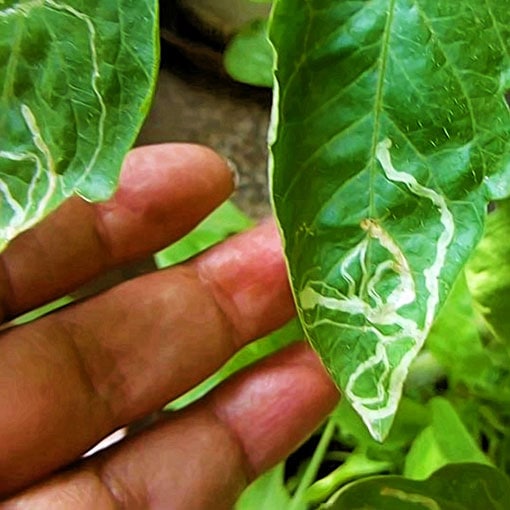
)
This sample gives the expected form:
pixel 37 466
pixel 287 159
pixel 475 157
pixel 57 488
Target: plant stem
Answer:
pixel 313 466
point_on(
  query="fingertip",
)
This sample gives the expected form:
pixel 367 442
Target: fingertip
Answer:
pixel 182 157
pixel 273 407
pixel 164 190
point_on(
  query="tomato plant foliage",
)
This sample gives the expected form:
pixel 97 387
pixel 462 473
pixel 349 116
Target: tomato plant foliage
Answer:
pixel 390 135
pixel 76 78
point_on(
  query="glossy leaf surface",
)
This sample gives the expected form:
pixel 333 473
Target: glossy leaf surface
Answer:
pixel 76 79
pixel 454 487
pixel 390 133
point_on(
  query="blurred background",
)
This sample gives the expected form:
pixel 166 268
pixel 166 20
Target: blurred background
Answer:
pixel 214 87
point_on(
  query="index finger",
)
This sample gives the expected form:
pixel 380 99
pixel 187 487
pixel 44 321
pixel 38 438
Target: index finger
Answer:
pixel 164 191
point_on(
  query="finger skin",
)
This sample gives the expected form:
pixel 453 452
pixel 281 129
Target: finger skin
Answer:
pixel 202 457
pixel 71 378
pixel 164 191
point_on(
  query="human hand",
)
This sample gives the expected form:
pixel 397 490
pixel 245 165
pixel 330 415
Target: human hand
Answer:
pixel 71 378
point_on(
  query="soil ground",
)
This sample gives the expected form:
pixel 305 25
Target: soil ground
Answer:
pixel 192 105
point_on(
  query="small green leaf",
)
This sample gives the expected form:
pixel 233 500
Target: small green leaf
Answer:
pixel 266 493
pixel 445 441
pixel 454 335
pixel 76 80
pixel 357 465
pixel 489 272
pixel 454 487
pixel 456 342
pixel 390 129
pixel 249 56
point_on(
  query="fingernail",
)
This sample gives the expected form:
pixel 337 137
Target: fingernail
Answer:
pixel 235 172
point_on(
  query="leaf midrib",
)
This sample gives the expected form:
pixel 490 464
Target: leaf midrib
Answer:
pixel 12 63
pixel 378 103
pixel 497 30
pixel 378 109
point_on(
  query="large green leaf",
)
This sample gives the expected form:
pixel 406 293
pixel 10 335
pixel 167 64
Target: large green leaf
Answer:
pixel 454 487
pixel 390 133
pixel 76 79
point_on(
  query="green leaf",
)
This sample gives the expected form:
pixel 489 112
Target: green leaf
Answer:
pixel 389 132
pixel 33 315
pixel 410 419
pixel 455 340
pixel 489 272
pixel 482 367
pixel 454 335
pixel 223 222
pixel 76 79
pixel 248 57
pixel 357 465
pixel 445 441
pixel 455 487
pixel 266 493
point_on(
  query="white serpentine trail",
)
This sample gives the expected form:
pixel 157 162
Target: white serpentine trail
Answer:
pixel 22 218
pixel 384 311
